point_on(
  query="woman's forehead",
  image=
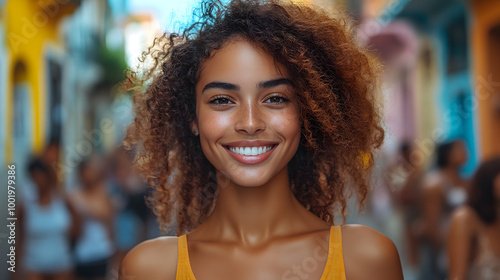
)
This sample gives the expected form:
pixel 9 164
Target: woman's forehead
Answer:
pixel 239 59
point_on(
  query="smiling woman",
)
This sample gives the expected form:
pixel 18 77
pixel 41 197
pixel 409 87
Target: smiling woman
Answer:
pixel 253 129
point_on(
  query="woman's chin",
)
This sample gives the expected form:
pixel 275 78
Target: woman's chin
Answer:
pixel 250 182
pixel 251 175
pixel 252 178
pixel 244 179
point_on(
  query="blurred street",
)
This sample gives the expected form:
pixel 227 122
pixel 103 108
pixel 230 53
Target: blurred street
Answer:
pixel 63 115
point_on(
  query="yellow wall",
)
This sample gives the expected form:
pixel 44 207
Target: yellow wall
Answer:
pixel 486 76
pixel 29 26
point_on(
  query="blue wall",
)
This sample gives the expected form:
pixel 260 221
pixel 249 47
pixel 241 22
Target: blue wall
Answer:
pixel 455 97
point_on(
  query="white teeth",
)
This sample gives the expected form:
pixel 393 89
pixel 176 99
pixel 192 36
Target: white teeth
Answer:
pixel 250 151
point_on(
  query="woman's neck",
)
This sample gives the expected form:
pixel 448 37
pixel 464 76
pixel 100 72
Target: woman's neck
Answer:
pixel 45 198
pixel 253 215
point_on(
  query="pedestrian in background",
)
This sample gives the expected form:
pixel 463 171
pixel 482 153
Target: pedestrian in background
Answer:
pixel 48 225
pixel 94 248
pixel 444 190
pixel 474 237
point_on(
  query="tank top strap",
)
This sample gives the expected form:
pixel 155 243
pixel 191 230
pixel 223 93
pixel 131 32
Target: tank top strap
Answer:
pixel 334 269
pixel 338 254
pixel 184 271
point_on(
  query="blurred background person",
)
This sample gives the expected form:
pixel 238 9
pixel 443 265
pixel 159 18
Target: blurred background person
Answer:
pixel 474 238
pixel 405 179
pixel 444 190
pixel 128 196
pixel 48 226
pixel 49 157
pixel 94 248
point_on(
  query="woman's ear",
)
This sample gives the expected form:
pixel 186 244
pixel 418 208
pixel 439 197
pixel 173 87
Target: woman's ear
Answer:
pixel 194 128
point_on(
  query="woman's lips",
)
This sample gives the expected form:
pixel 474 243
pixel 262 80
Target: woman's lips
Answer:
pixel 253 152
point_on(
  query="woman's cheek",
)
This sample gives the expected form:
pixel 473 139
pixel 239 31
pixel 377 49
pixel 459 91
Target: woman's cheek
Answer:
pixel 287 123
pixel 213 123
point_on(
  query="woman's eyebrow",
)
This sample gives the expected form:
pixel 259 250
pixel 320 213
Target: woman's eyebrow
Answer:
pixel 262 85
pixel 275 82
pixel 221 85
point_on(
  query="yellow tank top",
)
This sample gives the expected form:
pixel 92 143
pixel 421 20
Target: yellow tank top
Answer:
pixel 334 269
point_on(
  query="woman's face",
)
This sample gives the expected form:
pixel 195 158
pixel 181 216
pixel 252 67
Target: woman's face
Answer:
pixel 93 173
pixel 247 114
pixel 41 180
pixel 458 154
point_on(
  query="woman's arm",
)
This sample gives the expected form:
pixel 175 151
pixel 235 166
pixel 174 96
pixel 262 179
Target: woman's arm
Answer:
pixel 76 221
pixel 369 255
pixel 460 237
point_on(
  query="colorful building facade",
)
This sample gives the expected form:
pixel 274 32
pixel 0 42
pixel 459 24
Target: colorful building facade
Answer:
pixel 485 36
pixel 443 92
pixel 32 52
pixel 59 60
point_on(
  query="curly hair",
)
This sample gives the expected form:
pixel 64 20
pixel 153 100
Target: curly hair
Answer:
pixel 443 151
pixel 481 191
pixel 336 83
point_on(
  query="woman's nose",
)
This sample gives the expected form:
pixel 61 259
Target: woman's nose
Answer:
pixel 250 119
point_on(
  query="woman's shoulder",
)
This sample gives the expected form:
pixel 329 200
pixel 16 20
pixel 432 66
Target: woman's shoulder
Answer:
pixel 465 213
pixel 151 259
pixel 465 218
pixel 375 253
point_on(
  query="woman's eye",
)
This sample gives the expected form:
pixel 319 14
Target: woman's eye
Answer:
pixel 221 101
pixel 276 99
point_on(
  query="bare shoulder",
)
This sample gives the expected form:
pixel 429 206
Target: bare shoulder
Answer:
pixel 465 214
pixel 151 259
pixel 465 219
pixel 376 254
